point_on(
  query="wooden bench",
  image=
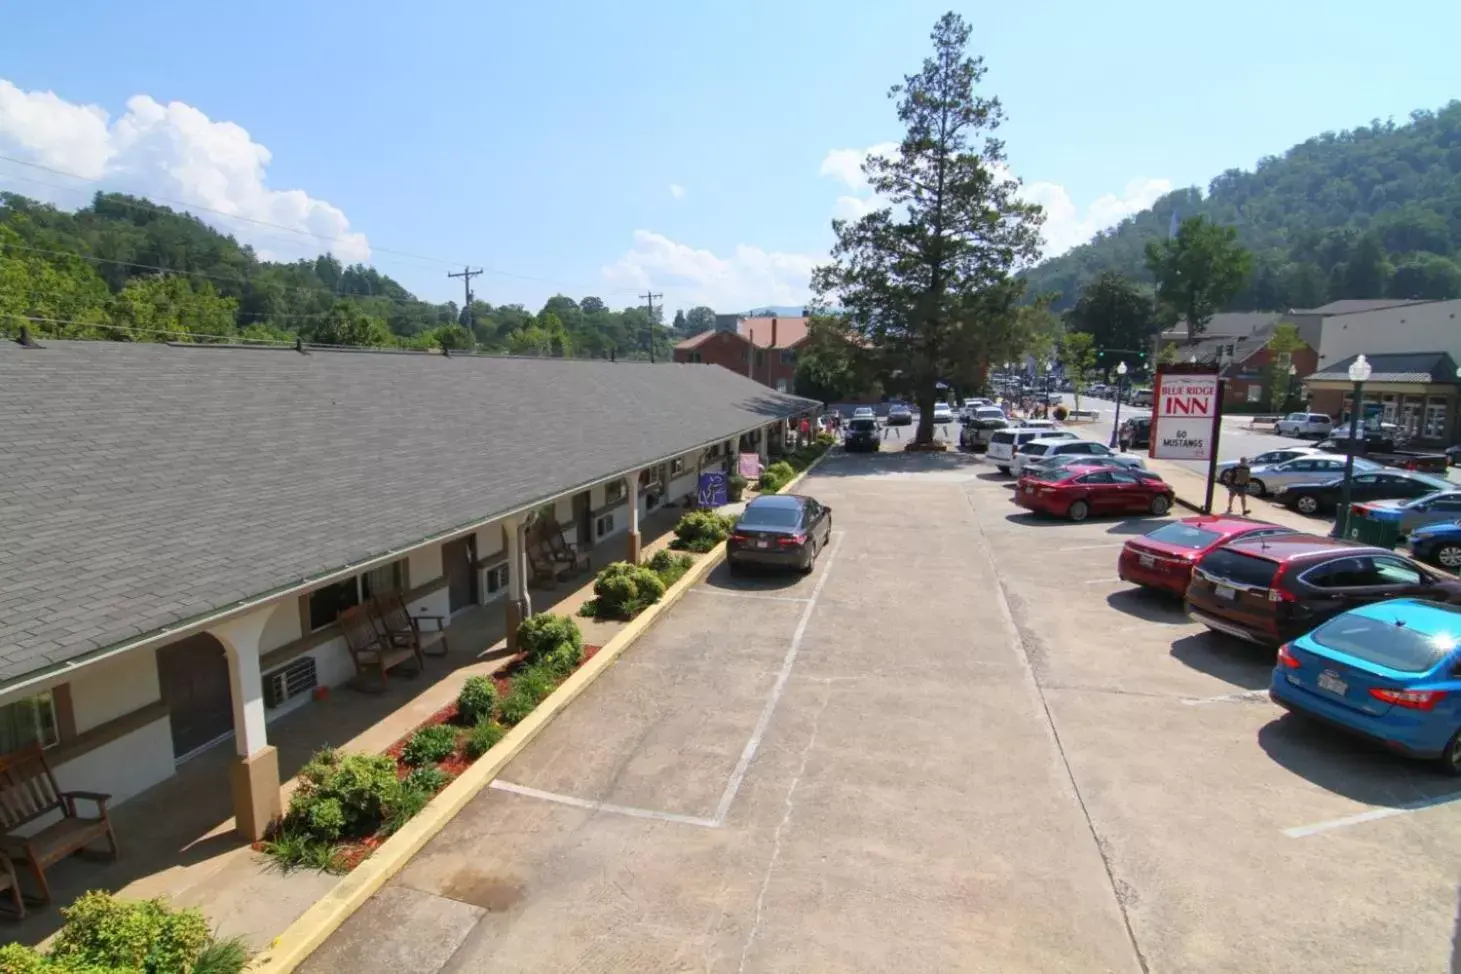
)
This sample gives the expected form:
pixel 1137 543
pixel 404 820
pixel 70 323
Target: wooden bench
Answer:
pixel 28 792
pixel 399 627
pixel 370 651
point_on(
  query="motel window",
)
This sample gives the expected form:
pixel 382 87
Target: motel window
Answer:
pixel 1435 419
pixel 677 466
pixel 1255 393
pixel 781 385
pixel 614 493
pixel 604 525
pixel 788 356
pixel 497 579
pixel 28 720
pixel 326 604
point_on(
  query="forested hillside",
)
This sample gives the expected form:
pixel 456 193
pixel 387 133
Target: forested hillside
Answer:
pixel 1373 212
pixel 129 270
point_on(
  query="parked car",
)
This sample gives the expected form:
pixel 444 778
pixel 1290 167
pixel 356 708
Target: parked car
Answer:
pixel 1273 589
pixel 1225 469
pixel 1142 397
pixel 1389 671
pixel 1323 497
pixel 862 435
pixel 1317 425
pixel 975 433
pixel 1047 466
pixel 1004 443
pixel 1384 447
pixel 1038 449
pixel 900 415
pixel 1082 491
pixel 780 530
pixel 1163 558
pixel 1269 478
pixel 863 412
pixel 942 413
pixel 1438 544
pixel 1137 431
pixel 1438 507
pixel 1453 454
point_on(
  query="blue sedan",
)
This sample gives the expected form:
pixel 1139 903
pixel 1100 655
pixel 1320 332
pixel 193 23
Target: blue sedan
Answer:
pixel 1389 671
pixel 1438 544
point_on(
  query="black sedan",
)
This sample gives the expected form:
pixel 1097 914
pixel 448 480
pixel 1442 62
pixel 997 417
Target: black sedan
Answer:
pixel 900 415
pixel 1323 498
pixel 780 530
pixel 862 434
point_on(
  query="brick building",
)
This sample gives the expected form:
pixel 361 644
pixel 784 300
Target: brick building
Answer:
pixel 761 348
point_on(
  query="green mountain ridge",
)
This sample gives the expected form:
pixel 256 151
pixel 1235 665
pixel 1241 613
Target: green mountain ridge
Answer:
pixel 1366 213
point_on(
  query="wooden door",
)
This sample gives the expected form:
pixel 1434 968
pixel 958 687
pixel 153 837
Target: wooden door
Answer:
pixel 583 518
pixel 193 675
pixel 457 560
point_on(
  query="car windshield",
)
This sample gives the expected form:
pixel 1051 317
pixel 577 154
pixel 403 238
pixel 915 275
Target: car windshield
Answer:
pixel 1034 449
pixel 1184 535
pixel 862 425
pixel 770 516
pixel 1388 643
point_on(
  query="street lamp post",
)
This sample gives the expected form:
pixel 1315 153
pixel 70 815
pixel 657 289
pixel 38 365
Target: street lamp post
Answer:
pixel 1116 420
pixel 1359 372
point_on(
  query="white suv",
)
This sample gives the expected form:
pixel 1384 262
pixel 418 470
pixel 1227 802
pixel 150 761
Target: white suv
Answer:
pixel 1301 425
pixel 1005 443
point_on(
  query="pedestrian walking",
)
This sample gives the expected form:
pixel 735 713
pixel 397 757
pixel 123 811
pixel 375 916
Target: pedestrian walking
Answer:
pixel 1123 437
pixel 1238 484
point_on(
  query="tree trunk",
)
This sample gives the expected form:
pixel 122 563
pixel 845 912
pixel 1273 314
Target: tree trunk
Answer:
pixel 925 399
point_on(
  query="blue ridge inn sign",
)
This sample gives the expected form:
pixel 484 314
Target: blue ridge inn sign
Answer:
pixel 1185 413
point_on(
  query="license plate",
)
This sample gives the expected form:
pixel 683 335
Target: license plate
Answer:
pixel 1225 592
pixel 762 543
pixel 1329 680
pixel 1029 490
pixel 1147 561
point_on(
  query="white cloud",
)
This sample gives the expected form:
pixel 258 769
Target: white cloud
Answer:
pixel 748 277
pixel 169 152
pixel 1065 225
pixel 677 191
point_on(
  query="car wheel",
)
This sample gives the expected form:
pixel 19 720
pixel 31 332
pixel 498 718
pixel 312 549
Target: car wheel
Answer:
pixel 1078 511
pixel 1449 556
pixel 1160 505
pixel 1004 470
pixel 1226 477
pixel 1256 488
pixel 811 559
pixel 1451 756
pixel 1306 504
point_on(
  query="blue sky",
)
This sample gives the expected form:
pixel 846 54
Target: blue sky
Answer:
pixel 543 141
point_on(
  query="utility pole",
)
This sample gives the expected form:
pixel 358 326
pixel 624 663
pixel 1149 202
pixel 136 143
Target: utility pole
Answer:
pixel 466 274
pixel 650 298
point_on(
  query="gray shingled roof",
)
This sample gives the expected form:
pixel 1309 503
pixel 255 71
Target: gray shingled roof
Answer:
pixel 1424 368
pixel 1352 306
pixel 144 485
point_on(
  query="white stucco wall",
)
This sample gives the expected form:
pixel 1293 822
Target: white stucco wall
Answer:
pixel 489 540
pixel 115 687
pixel 124 767
pixel 283 625
pixel 426 566
pixel 1414 328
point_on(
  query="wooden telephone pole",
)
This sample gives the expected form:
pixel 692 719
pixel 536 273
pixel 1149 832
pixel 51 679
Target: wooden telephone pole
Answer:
pixel 466 274
pixel 650 298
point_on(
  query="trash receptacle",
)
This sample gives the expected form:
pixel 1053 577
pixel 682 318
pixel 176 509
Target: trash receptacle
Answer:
pixel 1374 526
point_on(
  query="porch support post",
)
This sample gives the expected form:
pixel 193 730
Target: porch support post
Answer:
pixel 519 601
pixel 763 444
pixel 631 553
pixel 253 777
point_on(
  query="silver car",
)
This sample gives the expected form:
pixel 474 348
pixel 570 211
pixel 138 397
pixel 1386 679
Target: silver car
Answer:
pixel 1225 469
pixel 1268 478
pixel 1443 505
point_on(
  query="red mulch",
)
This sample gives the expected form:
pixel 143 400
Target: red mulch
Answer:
pixel 935 447
pixel 354 853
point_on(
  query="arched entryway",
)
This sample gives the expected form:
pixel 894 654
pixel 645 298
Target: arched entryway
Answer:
pixel 193 676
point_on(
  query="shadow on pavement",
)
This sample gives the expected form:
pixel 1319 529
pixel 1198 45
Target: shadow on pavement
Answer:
pixel 1356 768
pixel 1148 606
pixel 1230 660
pixel 752 579
pixel 844 464
pixel 1137 524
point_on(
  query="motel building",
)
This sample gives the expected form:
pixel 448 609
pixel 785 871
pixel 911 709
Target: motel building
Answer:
pixel 182 526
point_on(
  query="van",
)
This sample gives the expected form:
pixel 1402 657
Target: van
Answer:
pixel 1141 397
pixel 1004 444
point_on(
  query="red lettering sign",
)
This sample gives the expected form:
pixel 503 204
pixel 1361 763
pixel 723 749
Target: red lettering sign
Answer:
pixel 1187 406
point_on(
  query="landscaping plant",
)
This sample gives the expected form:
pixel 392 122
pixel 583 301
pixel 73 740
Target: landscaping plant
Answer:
pixel 478 698
pixel 701 531
pixel 340 798
pixel 429 779
pixel 670 567
pixel 736 487
pixel 622 590
pixel 102 934
pixel 430 745
pixel 541 636
pixel 484 737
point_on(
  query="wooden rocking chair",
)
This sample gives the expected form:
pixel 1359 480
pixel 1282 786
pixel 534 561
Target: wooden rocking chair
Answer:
pixel 398 627
pixel 28 791
pixel 556 543
pixel 370 651
pixel 546 570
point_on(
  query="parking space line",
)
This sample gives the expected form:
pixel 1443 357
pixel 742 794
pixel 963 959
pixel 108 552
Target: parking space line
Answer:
pixel 1301 831
pixel 1100 581
pixel 593 806
pixel 747 595
pixel 754 744
pixel 1092 547
pixel 1228 697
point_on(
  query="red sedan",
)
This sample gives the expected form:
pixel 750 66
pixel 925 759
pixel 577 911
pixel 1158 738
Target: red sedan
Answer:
pixel 1078 492
pixel 1163 559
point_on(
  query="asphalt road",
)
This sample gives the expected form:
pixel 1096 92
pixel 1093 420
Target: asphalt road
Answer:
pixel 870 769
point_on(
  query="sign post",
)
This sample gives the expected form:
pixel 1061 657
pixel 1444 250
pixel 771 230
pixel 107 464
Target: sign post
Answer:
pixel 1187 417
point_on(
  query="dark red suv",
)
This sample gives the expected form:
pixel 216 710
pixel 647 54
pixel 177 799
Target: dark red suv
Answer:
pixel 1269 590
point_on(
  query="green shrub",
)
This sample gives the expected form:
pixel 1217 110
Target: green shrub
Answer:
pixel 622 590
pixel 325 819
pixel 142 935
pixel 782 470
pixel 16 959
pixel 517 706
pixel 478 699
pixel 429 745
pixel 701 531
pixel 483 738
pixel 669 566
pixel 428 779
pixel 358 783
pixel 223 957
pixel 540 635
pixel 770 483
pixel 565 659
pixel 299 850
pixel 403 804
pixel 535 681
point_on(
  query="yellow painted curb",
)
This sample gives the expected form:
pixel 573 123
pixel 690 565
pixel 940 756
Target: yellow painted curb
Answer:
pixel 306 934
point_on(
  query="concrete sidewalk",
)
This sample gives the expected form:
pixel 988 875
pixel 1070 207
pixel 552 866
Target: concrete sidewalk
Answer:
pixel 1191 489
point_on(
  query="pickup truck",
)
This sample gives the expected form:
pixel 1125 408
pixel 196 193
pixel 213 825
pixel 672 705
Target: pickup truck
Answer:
pixel 1381 448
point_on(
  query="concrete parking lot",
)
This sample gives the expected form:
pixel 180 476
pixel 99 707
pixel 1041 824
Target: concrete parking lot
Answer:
pixel 960 744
